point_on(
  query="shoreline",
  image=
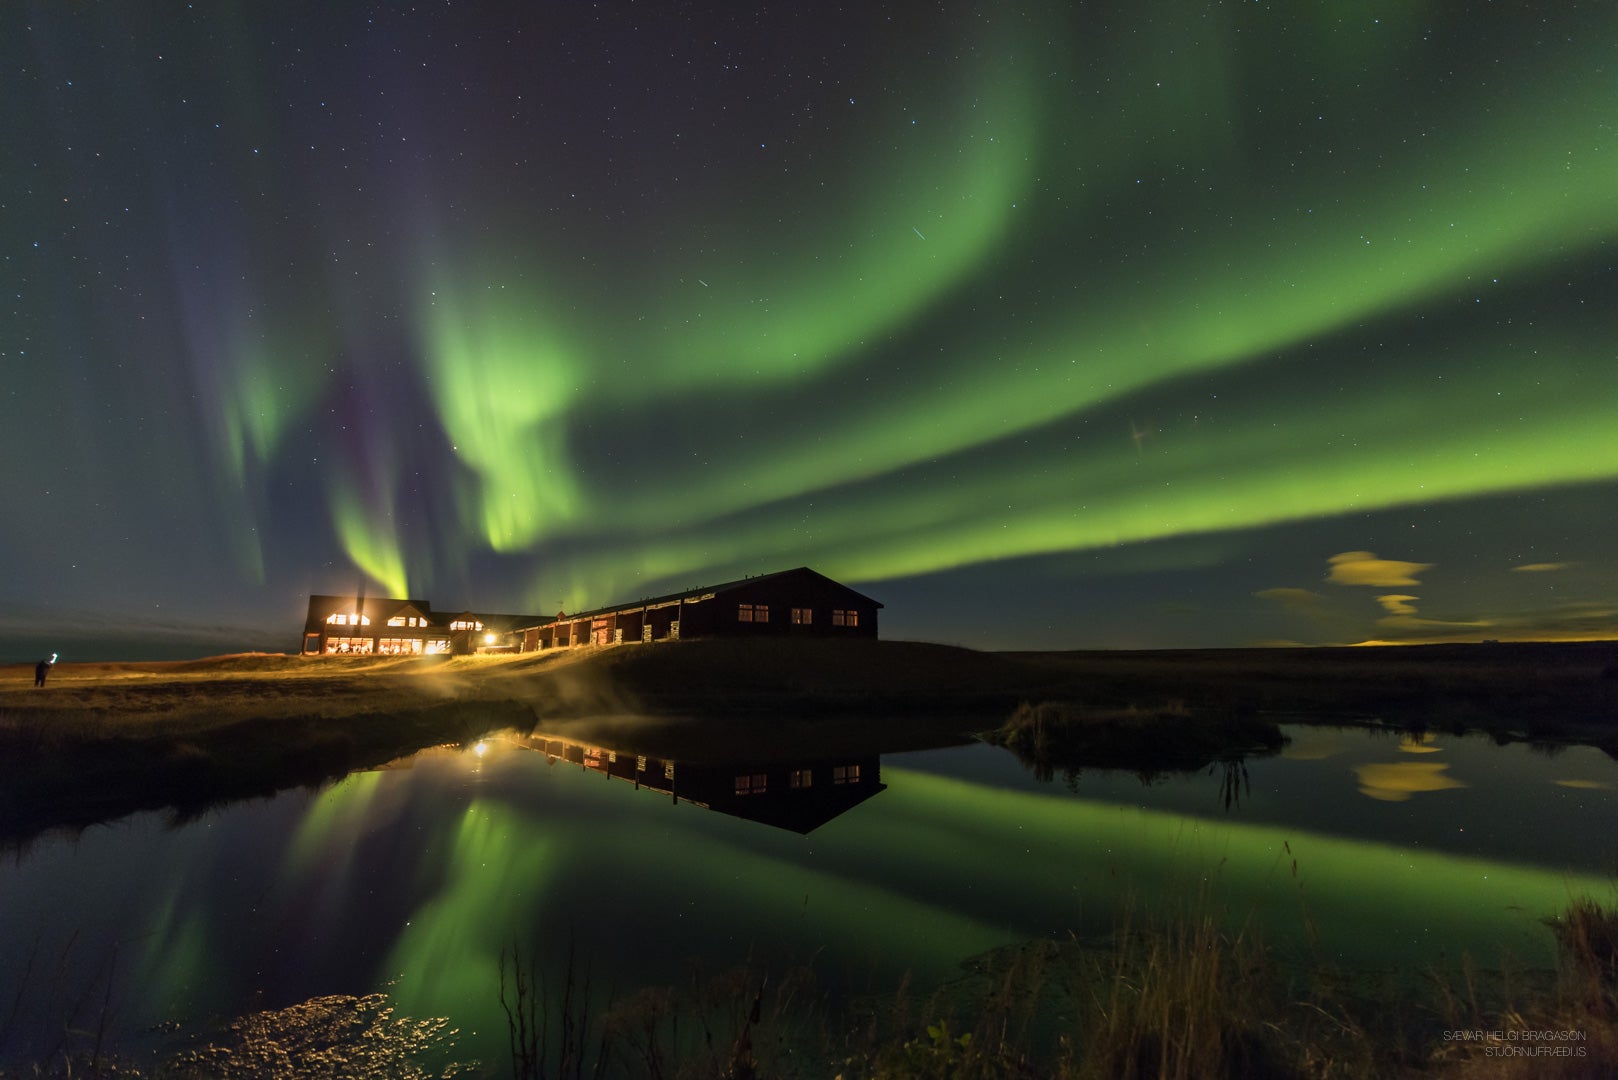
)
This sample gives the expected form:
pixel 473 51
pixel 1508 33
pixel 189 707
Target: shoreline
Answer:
pixel 104 739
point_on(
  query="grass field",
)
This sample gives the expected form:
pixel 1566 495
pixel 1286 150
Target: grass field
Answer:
pixel 104 739
pixel 1186 999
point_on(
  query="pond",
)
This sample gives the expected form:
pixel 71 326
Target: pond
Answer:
pixel 1371 850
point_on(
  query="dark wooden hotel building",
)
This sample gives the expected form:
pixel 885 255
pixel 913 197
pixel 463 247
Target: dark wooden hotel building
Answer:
pixel 791 603
pixel 387 626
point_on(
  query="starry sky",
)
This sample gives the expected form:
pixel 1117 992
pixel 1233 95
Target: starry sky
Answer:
pixel 1066 325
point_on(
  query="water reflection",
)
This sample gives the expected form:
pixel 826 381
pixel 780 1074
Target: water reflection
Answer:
pixel 415 877
pixel 798 794
pixel 1424 743
pixel 1397 781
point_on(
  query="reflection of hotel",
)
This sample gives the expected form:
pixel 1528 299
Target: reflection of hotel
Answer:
pixel 800 795
pixel 792 604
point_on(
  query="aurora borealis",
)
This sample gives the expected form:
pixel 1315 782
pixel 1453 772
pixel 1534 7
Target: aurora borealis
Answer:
pixel 1077 325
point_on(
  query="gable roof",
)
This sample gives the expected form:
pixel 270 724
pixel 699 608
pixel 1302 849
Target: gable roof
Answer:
pixel 703 593
pixel 379 609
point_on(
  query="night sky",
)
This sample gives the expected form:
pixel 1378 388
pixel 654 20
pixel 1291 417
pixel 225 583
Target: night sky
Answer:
pixel 1056 326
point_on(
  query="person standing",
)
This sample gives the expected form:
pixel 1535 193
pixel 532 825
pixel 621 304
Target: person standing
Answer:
pixel 41 669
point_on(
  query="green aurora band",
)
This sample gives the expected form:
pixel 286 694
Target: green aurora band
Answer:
pixel 1092 227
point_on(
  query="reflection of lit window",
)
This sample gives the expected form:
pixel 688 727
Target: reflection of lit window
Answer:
pixel 802 778
pixel 802 616
pixel 842 617
pixel 751 784
pixel 845 774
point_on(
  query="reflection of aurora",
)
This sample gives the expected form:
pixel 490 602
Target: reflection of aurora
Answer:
pixel 419 877
pixel 917 881
pixel 1052 284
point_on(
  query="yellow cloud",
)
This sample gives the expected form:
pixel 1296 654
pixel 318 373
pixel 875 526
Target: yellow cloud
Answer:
pixel 1296 599
pixel 1398 603
pixel 1411 622
pixel 1364 568
pixel 1541 567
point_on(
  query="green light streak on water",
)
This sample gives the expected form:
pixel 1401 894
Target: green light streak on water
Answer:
pixel 335 820
pixel 936 870
pixel 176 961
pixel 495 872
pixel 1373 903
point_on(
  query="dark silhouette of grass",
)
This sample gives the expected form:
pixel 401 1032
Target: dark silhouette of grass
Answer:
pixel 1048 736
pixel 1192 995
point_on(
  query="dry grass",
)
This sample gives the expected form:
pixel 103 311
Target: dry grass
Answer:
pixel 1050 736
pixel 106 738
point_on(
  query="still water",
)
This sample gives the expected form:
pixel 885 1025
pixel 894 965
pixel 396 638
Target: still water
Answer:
pixel 1399 853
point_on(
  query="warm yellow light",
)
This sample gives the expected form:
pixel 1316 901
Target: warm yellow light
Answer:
pixel 488 639
pixel 480 749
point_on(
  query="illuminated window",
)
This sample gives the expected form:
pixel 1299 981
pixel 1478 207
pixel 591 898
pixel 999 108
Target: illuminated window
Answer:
pixel 845 774
pixel 398 620
pixel 744 613
pixel 751 783
pixel 668 770
pixel 802 616
pixel 465 624
pixel 802 778
pixel 845 617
